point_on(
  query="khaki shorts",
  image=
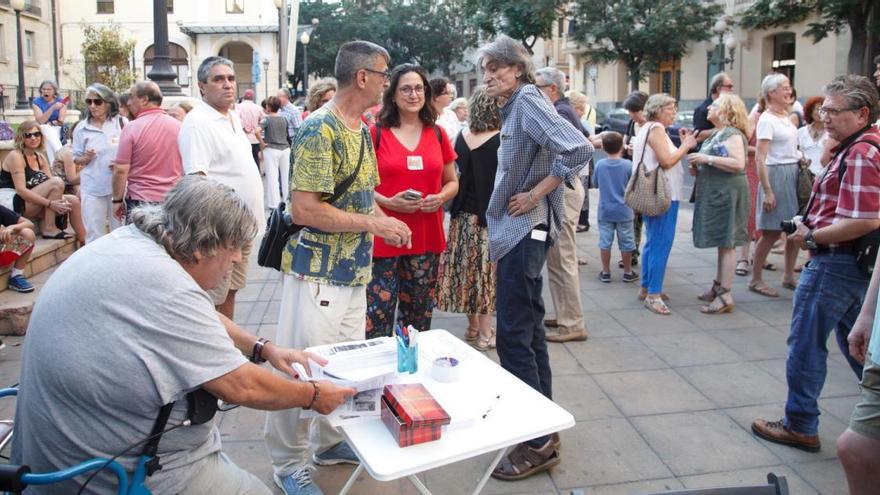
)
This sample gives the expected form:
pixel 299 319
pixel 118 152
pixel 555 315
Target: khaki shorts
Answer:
pixel 218 475
pixel 236 280
pixel 866 415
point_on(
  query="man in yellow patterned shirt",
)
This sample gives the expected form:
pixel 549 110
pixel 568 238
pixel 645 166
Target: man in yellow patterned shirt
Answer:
pixel 326 268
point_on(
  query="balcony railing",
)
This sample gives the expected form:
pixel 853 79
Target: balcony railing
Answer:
pixel 8 96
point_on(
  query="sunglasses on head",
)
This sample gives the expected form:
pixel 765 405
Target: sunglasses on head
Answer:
pixel 36 134
pixel 96 101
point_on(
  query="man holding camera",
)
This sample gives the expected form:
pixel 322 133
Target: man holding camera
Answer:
pixel 843 209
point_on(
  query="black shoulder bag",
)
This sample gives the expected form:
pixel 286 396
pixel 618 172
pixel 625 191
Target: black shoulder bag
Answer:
pixel 280 227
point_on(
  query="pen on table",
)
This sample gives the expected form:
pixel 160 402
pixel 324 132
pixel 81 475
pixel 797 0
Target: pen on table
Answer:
pixel 494 403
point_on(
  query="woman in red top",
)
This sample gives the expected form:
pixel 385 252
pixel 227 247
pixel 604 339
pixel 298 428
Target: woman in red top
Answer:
pixel 417 175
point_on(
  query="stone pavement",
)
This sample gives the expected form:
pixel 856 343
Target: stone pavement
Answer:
pixel 660 402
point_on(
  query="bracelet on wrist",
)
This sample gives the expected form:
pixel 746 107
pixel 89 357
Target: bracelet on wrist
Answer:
pixel 315 395
pixel 257 353
pixel 116 201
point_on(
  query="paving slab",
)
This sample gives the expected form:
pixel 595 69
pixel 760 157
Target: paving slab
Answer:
pixel 606 451
pixel 736 384
pixel 826 476
pixel 583 398
pixel 757 343
pixel 640 393
pixel 615 354
pixel 702 442
pixel 690 349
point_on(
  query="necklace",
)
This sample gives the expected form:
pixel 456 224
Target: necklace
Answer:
pixel 335 110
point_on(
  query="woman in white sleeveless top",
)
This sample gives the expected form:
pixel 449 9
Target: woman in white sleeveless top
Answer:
pixel 660 111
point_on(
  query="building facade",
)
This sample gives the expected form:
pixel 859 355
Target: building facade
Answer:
pixel 37 47
pixel 245 31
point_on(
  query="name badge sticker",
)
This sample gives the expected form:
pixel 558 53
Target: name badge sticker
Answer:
pixel 539 235
pixel 414 163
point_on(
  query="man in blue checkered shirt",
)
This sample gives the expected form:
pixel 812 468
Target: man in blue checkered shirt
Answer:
pixel 540 154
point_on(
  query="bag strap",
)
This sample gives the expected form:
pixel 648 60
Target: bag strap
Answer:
pixel 343 186
pixel 641 164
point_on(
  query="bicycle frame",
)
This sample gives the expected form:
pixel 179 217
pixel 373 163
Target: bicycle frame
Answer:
pixel 134 486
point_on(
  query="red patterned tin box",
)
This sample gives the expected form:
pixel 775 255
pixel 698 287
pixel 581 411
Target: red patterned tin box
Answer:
pixel 412 414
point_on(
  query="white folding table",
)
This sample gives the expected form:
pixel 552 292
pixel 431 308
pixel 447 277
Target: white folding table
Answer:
pixel 520 414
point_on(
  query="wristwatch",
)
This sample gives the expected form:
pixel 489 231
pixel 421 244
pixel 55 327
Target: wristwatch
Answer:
pixel 809 241
pixel 117 201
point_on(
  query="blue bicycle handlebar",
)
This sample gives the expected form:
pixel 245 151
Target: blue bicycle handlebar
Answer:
pixel 81 468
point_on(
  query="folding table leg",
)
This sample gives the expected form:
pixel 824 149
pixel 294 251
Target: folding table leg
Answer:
pixel 354 476
pixel 419 485
pixel 485 478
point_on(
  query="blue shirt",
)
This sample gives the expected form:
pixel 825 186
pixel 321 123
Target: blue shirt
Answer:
pixel 535 142
pixel 611 176
pixel 44 105
pixel 292 115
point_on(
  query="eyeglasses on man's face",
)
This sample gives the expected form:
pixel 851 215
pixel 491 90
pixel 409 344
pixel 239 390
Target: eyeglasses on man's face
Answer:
pixel 385 73
pixel 825 111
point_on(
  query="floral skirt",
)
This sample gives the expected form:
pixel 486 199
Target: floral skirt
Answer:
pixel 466 278
pixel 14 249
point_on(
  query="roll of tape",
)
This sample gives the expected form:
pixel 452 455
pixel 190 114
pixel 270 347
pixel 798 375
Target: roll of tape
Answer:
pixel 446 369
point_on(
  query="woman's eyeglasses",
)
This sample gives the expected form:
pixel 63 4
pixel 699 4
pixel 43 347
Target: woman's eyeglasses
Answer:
pixel 36 134
pixel 409 90
pixel 94 101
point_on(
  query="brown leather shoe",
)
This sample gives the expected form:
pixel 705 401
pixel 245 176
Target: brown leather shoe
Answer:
pixel 524 461
pixel 776 432
pixel 561 335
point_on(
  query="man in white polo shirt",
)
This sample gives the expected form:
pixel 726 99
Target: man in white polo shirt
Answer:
pixel 212 142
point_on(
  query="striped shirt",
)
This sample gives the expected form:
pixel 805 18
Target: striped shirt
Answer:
pixel 535 142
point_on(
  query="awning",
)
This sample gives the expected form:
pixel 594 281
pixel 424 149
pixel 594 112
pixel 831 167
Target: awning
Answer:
pixel 193 29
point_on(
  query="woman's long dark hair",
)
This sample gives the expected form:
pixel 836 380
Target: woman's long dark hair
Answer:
pixel 389 116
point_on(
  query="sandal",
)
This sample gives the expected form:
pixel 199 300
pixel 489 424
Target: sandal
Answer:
pixel 524 461
pixel 471 334
pixel 656 305
pixel 485 343
pixel 790 285
pixel 763 289
pixel 742 267
pixel 663 296
pixel 770 267
pixel 712 293
pixel 725 307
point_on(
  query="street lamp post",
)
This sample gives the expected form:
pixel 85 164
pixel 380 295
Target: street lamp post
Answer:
pixel 716 58
pixel 21 101
pixel 161 73
pixel 304 39
pixel 266 75
pixel 281 5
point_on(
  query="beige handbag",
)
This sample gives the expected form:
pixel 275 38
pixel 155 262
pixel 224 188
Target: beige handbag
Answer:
pixel 648 192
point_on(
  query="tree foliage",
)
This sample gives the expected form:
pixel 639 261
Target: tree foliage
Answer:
pixel 524 20
pixel 431 34
pixel 862 17
pixel 641 33
pixel 107 54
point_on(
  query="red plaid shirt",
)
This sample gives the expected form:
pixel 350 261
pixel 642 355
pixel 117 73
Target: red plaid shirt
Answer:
pixel 858 196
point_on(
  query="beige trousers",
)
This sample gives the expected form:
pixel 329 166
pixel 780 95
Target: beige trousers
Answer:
pixel 311 314
pixel 562 265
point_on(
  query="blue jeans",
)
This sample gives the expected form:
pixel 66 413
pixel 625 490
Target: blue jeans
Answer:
pixel 660 231
pixel 520 307
pixel 828 296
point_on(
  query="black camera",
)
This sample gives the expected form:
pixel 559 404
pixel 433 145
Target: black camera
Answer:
pixel 788 226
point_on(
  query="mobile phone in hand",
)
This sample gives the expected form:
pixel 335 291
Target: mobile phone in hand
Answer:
pixel 66 100
pixel 412 195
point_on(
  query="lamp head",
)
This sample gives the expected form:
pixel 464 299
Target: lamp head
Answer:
pixel 304 38
pixel 17 5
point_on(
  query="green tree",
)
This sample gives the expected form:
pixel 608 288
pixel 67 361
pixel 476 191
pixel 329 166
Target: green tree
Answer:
pixel 432 34
pixel 522 20
pixel 862 17
pixel 641 33
pixel 107 54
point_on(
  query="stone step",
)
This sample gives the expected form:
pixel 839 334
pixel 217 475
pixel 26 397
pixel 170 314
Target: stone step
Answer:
pixel 15 307
pixel 47 254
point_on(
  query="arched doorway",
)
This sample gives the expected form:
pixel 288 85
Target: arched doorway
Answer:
pixel 242 56
pixel 179 62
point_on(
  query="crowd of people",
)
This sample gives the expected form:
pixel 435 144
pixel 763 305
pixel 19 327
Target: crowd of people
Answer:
pixel 366 169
